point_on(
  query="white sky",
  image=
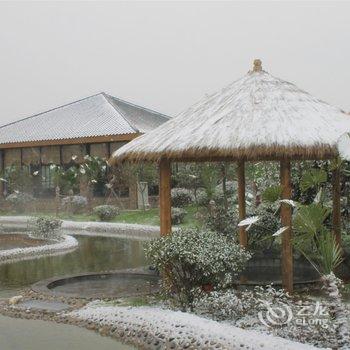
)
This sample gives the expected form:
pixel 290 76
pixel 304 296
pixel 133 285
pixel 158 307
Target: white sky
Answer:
pixel 166 56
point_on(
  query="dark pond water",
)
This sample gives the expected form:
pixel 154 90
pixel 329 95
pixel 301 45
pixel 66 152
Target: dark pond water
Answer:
pixel 95 254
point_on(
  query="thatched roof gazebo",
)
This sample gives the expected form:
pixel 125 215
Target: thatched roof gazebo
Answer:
pixel 258 117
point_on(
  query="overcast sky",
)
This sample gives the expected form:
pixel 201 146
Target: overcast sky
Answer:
pixel 166 56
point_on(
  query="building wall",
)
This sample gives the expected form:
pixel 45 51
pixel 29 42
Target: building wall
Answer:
pixel 62 155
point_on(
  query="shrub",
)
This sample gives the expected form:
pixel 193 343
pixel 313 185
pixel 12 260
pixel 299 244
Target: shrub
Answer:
pixel 19 200
pixel 45 227
pixel 202 197
pixel 222 220
pixel 106 212
pixel 178 215
pixel 190 259
pixel 181 197
pixel 74 204
pixel 231 193
pixel 260 237
pixel 247 308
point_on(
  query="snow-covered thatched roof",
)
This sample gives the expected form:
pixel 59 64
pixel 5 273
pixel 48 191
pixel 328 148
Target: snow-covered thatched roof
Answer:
pixel 256 117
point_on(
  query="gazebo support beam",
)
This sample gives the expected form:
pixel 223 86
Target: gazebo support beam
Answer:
pixel 165 197
pixel 286 219
pixel 336 205
pixel 243 238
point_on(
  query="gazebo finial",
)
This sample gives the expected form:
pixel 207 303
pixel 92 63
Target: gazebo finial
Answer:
pixel 257 65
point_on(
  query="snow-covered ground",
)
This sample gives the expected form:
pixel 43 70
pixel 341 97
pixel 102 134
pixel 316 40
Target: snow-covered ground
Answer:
pixel 67 244
pixel 155 328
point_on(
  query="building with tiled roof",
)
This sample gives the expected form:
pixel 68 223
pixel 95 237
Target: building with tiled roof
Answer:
pixel 96 125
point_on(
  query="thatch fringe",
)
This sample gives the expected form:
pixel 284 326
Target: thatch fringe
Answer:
pixel 248 154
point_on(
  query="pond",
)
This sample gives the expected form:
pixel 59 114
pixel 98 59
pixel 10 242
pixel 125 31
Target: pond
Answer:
pixel 18 334
pixel 10 241
pixel 95 254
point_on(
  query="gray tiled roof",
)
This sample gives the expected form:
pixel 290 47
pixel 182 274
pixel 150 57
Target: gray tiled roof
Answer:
pixel 97 115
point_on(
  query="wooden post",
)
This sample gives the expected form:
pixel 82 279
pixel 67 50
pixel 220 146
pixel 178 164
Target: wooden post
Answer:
pixel 165 197
pixel 286 219
pixel 336 205
pixel 243 238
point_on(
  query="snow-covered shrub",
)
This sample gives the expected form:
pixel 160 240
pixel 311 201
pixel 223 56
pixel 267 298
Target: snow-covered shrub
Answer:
pixel 231 193
pixel 271 310
pixel 222 220
pixel 106 212
pixel 178 215
pixel 189 259
pixel 74 204
pixel 181 197
pixel 45 227
pixel 202 198
pixel 19 201
pixel 260 234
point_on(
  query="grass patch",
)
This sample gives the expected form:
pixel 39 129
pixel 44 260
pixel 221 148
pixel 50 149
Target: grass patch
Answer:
pixel 141 217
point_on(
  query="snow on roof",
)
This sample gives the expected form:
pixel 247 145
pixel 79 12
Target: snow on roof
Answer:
pixel 97 115
pixel 256 117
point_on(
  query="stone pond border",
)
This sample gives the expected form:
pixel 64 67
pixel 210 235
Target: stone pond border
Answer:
pixel 68 244
pixel 154 328
pixel 43 286
pixel 91 228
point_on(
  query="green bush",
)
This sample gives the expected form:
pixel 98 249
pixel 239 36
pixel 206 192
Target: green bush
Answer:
pixel 178 215
pixel 181 197
pixel 19 201
pixel 190 259
pixel 45 227
pixel 106 212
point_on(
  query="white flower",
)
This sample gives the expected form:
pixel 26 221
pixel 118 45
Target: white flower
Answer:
pixel 280 231
pixel 52 166
pixel 94 181
pixel 74 157
pixel 36 173
pixel 82 170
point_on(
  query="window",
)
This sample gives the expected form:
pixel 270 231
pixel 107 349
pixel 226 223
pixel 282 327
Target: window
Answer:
pixel 47 181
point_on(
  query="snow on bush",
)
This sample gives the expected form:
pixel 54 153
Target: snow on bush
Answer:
pixel 222 220
pixel 45 227
pixel 19 200
pixel 178 215
pixel 300 320
pixel 106 212
pixel 202 197
pixel 191 259
pixel 74 204
pixel 181 197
